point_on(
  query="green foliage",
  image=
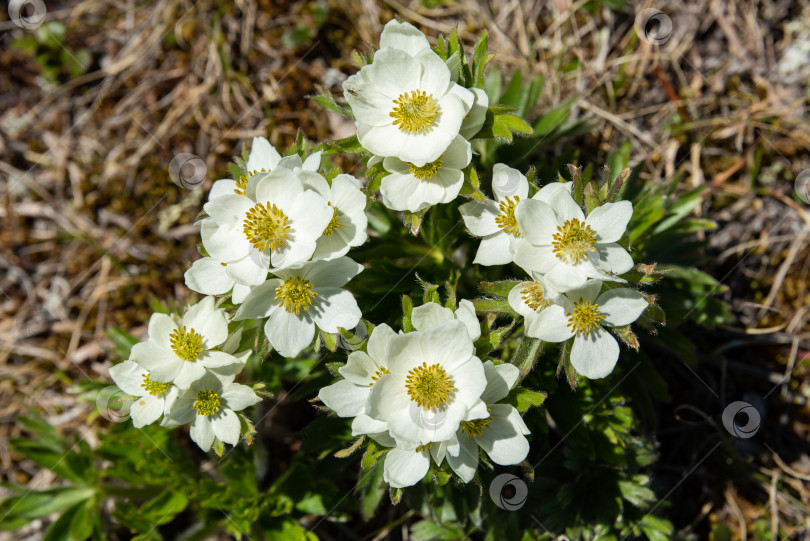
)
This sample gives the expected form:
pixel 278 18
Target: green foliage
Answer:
pixel 54 58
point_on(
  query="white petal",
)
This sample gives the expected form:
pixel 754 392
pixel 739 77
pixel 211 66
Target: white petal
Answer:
pixel 161 362
pixel 202 432
pixel 536 221
pixel 494 250
pixel 405 468
pixel 238 397
pixel 594 357
pixel 566 276
pixel 503 440
pixel 335 273
pixel 406 192
pixel 260 302
pixel 587 292
pixel 333 308
pixel 500 379
pixel 458 155
pixel 551 190
pixel 161 326
pixel 609 220
pixel 565 207
pixel 239 293
pixel 189 373
pixel 226 242
pixel 313 162
pixel 465 463
pixel 379 341
pixel 224 186
pixel 479 217
pixel 534 259
pixel 129 377
pixel 208 321
pixel 621 306
pixel 227 427
pixel 262 155
pixel 146 410
pixel 551 325
pixel 208 276
pixel 466 314
pixel 250 270
pixel 281 187
pixel 403 36
pixel 216 359
pixel 477 115
pixel 363 424
pixel 430 315
pixel 228 209
pixel 345 398
pixel 289 334
pixel 508 182
pixel 613 258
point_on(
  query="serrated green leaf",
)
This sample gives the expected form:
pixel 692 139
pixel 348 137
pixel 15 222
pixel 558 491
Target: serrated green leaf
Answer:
pixel 522 398
pixel 499 289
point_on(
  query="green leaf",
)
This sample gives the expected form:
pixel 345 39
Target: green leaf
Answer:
pixel 522 398
pixel 372 489
pixel 164 507
pixel 349 145
pixel 343 453
pixel 373 452
pixel 427 530
pixel 326 100
pixel 329 340
pixel 511 96
pixel 552 119
pixel 493 305
pixel 499 289
pixel 407 308
pixel 526 355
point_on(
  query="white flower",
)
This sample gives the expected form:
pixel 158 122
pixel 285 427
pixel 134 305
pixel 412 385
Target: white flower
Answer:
pixel 530 298
pixel 582 314
pixel 432 314
pixel 567 248
pixel 495 220
pixel 434 381
pixel 180 351
pixel 413 188
pixel 502 435
pixel 348 396
pixel 347 228
pixel 209 405
pixel 281 227
pixel 300 299
pixel 263 158
pixel 477 115
pixel 153 397
pixel 407 106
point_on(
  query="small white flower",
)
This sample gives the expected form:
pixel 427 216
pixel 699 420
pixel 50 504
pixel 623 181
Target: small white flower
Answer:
pixel 180 351
pixel 567 248
pixel 209 405
pixel 432 314
pixel 280 227
pixel 348 396
pixel 153 397
pixel 477 115
pixel 530 298
pixel 407 464
pixel 433 376
pixel 300 299
pixel 407 106
pixel 495 221
pixel 349 222
pixel 582 314
pixel 413 188
pixel 502 435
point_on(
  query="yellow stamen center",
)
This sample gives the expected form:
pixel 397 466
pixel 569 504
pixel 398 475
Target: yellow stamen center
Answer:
pixel 425 447
pixel 506 219
pixel 242 181
pixel 573 240
pixel 295 293
pixel 155 388
pixel 186 343
pixel 415 111
pixel 207 403
pixel 378 374
pixel 585 317
pixel 429 386
pixel 334 224
pixel 533 295
pixel 475 428
pixel 427 171
pixel 266 226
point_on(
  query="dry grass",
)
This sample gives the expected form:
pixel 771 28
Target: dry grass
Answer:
pixel 93 229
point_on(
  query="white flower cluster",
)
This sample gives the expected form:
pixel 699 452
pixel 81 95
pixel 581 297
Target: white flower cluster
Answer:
pixel 185 371
pixel 568 257
pixel 425 394
pixel 277 239
pixel 413 115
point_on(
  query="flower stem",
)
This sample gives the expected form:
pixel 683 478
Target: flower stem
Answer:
pixel 526 355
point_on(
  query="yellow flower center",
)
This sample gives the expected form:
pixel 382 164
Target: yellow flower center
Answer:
pixel 207 403
pixel 266 226
pixel 378 374
pixel 415 111
pixel 533 295
pixel 295 293
pixel 334 224
pixel 427 171
pixel 242 181
pixel 573 240
pixel 429 386
pixel 585 317
pixel 425 447
pixel 186 343
pixel 155 388
pixel 506 219
pixel 475 428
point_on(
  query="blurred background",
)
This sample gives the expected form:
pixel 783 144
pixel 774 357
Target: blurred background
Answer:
pixel 97 98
